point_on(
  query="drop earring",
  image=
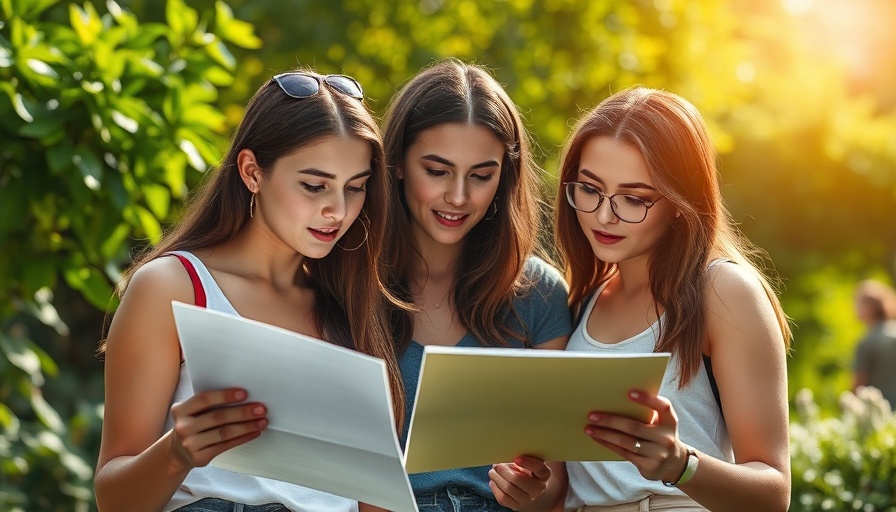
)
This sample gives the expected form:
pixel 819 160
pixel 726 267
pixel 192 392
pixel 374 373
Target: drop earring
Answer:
pixel 252 206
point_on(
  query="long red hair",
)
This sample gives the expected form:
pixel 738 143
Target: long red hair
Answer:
pixel 673 139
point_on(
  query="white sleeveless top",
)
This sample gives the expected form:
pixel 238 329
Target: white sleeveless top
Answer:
pixel 209 482
pixel 700 424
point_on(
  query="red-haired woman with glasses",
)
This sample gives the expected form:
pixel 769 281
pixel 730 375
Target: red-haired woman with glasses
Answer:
pixel 655 264
pixel 460 251
pixel 288 232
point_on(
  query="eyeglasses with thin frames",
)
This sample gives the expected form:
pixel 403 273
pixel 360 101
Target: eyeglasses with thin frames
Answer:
pixel 586 198
pixel 302 85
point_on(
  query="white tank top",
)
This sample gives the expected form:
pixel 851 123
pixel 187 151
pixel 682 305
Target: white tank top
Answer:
pixel 700 424
pixel 209 482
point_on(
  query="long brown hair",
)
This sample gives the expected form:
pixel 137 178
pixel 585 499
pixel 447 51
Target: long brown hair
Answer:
pixel 672 137
pixel 350 308
pixel 489 272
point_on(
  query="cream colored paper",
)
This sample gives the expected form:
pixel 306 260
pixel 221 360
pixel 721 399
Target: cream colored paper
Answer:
pixel 478 406
pixel 330 411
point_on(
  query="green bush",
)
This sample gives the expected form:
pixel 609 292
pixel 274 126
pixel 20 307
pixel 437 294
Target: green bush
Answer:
pixel 42 468
pixel 106 122
pixel 846 462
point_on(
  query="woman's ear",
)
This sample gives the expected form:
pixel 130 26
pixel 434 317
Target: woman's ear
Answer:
pixel 249 170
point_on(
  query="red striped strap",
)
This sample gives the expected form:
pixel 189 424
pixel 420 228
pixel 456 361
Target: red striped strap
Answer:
pixel 198 290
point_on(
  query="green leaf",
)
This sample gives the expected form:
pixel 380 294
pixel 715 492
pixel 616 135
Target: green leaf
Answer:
pixel 92 284
pixel 150 224
pixel 48 125
pixel 195 159
pixel 45 412
pixel 147 35
pixel 91 169
pixel 158 198
pixel 9 421
pixel 47 364
pixel 200 114
pixel 19 353
pixel 122 17
pixel 234 31
pixel 41 68
pixel 38 272
pixel 27 9
pixel 60 156
pixel 218 76
pixel 86 22
pixel 125 122
pixel 181 18
pixel 6 59
pixel 218 51
pixel 114 243
pixel 21 106
pixel 114 187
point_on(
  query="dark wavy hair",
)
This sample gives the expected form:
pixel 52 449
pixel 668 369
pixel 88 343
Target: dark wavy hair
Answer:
pixel 351 299
pixel 671 135
pixel 490 267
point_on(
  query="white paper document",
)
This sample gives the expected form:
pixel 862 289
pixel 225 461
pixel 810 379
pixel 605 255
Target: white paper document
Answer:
pixel 478 406
pixel 331 425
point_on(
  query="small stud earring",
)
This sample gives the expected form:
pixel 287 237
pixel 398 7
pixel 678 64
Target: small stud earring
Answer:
pixel 677 214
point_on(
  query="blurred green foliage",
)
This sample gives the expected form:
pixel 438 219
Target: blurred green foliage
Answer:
pixel 105 122
pixel 110 113
pixel 847 462
pixel 44 467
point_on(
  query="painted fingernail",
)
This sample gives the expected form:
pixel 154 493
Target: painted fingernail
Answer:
pixel 239 394
pixel 594 417
pixel 589 431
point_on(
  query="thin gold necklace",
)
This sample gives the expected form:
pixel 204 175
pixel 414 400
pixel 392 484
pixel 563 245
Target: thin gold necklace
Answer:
pixel 438 305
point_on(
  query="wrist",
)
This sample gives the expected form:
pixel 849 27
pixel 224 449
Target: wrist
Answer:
pixel 687 472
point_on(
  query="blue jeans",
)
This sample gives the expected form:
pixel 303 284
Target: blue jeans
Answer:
pixel 219 505
pixel 457 499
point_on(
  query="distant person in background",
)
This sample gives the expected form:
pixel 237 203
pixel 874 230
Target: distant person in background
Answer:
pixel 875 361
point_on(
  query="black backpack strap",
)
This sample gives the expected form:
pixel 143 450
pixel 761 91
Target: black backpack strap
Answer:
pixel 707 362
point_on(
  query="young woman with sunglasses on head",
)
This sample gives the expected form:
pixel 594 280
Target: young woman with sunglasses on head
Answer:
pixel 287 232
pixel 655 264
pixel 460 252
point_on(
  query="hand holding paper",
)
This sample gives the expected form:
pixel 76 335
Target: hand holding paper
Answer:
pixel 456 423
pixel 331 426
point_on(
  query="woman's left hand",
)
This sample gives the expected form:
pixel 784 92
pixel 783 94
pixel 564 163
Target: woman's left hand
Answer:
pixel 654 447
pixel 519 483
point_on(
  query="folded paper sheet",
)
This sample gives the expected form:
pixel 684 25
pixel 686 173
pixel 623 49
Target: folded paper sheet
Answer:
pixel 481 406
pixel 330 412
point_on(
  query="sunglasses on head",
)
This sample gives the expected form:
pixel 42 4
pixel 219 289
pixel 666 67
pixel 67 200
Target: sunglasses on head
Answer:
pixel 304 85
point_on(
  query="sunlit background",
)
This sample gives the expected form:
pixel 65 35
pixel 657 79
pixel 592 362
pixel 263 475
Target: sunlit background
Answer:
pixel 800 96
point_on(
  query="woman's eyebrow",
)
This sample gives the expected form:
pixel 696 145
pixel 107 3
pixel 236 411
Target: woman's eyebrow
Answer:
pixel 636 184
pixel 445 161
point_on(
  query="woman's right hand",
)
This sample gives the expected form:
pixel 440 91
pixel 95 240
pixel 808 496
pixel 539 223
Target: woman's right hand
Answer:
pixel 212 422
